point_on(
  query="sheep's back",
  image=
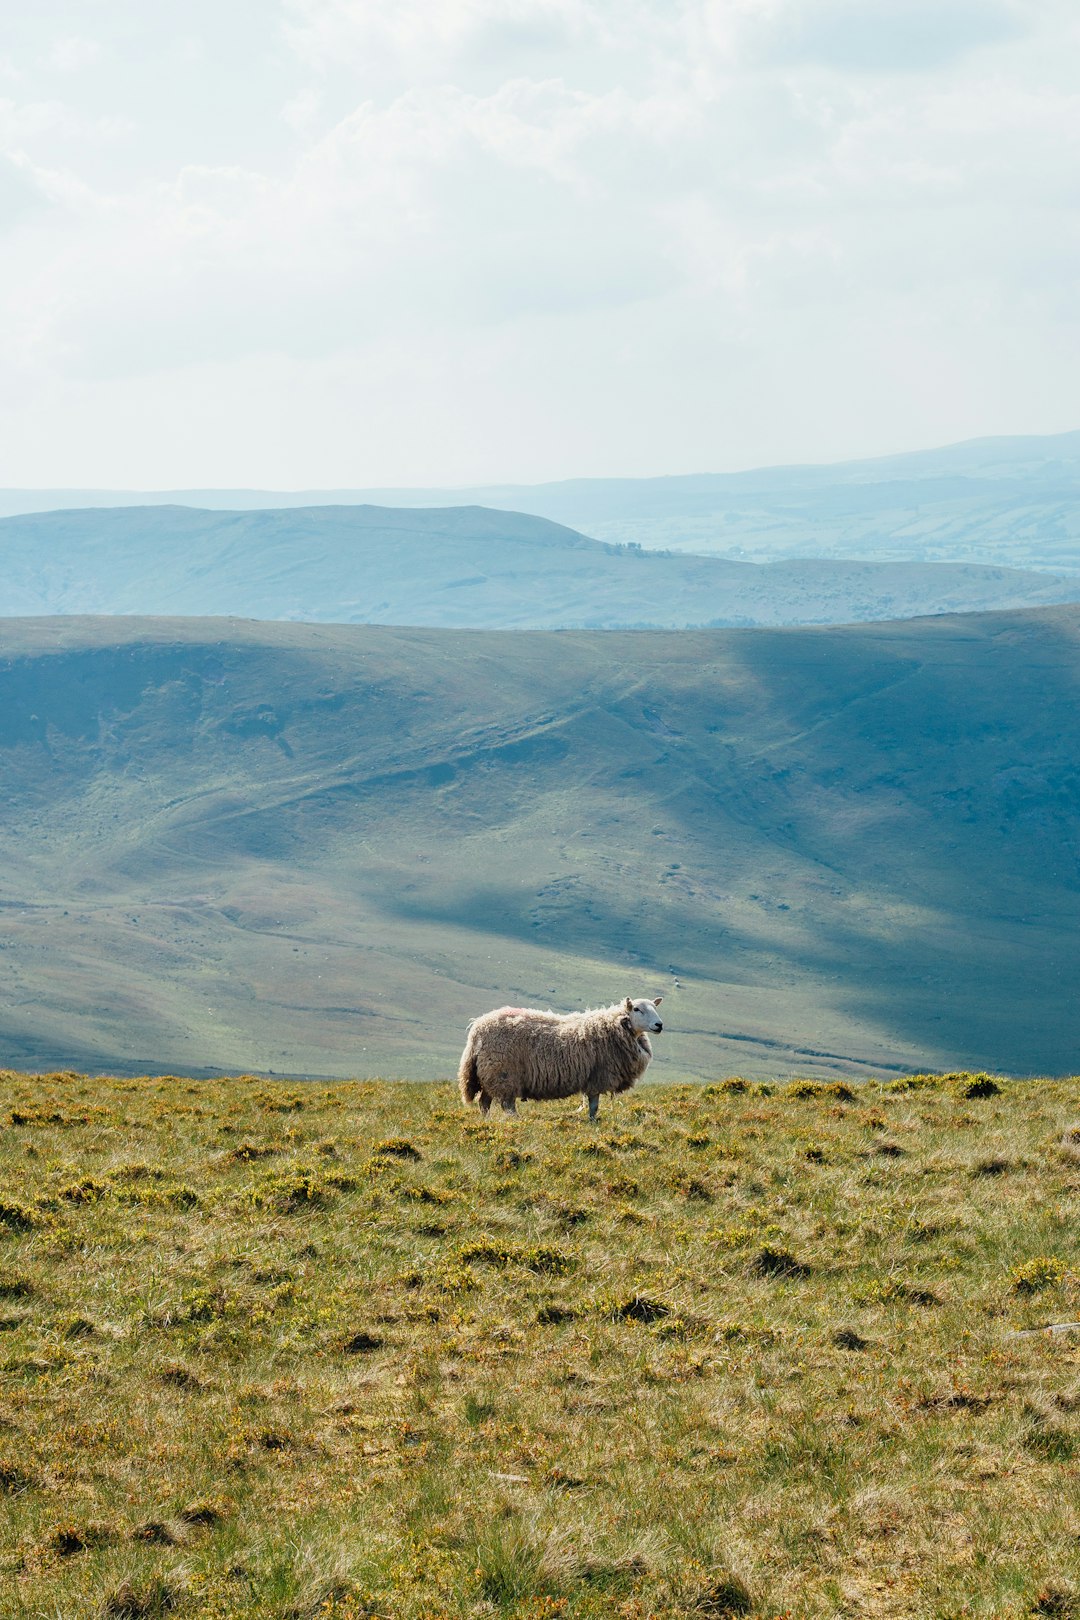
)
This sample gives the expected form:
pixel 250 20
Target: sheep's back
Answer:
pixel 528 1053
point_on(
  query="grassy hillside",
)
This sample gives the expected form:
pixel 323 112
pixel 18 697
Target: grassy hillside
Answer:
pixel 342 1351
pixel 1012 501
pixel 464 566
pixel 321 849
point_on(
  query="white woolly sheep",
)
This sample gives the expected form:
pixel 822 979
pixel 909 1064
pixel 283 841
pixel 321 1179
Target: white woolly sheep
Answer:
pixel 519 1054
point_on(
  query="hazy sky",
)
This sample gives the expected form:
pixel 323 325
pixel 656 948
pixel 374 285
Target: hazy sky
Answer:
pixel 345 242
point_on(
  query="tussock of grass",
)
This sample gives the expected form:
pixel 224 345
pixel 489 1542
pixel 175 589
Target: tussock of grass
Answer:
pixel 725 1354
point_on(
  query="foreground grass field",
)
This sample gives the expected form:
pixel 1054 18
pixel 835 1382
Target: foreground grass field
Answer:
pixel 278 1350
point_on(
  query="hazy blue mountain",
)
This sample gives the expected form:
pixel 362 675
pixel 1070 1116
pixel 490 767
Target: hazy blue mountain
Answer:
pixel 1011 501
pixel 322 849
pixel 459 566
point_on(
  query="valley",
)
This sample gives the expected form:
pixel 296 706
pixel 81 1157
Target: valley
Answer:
pixel 314 849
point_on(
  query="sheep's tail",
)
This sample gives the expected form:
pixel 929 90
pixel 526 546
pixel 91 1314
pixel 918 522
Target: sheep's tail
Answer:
pixel 468 1078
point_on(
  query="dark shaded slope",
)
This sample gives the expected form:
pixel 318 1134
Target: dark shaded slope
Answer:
pixel 322 848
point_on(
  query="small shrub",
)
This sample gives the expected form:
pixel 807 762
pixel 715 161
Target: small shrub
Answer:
pixel 17 1218
pixel 160 1533
pixel 771 1261
pixel 552 1315
pixel 361 1343
pixel 246 1152
pixel 396 1147
pixel 991 1167
pixel 77 1327
pixel 279 1103
pixel 137 1172
pixel 71 1539
pixel 539 1258
pixel 511 1159
pixel 290 1191
pixel 919 1231
pixel 637 1308
pixel 179 1377
pixel 914 1082
pixel 202 1304
pixel 341 1181
pixel 202 1513
pixel 142 1600
pixel 806 1089
pixel 694 1188
pixel 721 1595
pixel 973 1086
pixel 1045 1271
pixel 182 1197
pixel 426 1195
pixel 1056 1601
pixel 893 1291
pixel 14 1480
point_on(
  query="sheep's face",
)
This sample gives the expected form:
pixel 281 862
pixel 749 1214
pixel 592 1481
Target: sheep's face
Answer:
pixel 643 1016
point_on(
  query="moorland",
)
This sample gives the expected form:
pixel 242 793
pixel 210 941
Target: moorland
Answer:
pixel 1005 501
pixel 343 1351
pixel 464 567
pixel 319 850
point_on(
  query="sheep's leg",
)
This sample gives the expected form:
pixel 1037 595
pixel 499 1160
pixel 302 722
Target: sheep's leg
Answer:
pixel 594 1105
pixel 509 1106
pixel 485 1103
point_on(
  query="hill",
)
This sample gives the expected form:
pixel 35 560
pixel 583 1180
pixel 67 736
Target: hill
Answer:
pixel 996 501
pixel 462 566
pixel 321 849
pixel 1013 501
pixel 278 1353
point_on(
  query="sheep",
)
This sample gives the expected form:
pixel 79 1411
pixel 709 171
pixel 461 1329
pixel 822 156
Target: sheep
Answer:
pixel 521 1054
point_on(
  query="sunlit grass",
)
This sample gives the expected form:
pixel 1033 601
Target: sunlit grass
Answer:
pixel 296 1351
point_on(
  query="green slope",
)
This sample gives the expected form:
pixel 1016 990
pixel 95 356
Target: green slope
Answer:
pixel 459 566
pixel 321 849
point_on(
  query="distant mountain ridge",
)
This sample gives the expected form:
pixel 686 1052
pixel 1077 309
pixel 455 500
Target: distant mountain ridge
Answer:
pixel 1011 501
pixel 321 849
pixel 454 567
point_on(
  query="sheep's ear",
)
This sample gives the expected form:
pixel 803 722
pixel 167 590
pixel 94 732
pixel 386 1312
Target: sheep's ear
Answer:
pixel 626 1024
pixel 628 1004
pixel 656 1000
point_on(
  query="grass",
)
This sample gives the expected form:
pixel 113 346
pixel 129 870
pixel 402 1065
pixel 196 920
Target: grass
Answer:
pixel 349 1351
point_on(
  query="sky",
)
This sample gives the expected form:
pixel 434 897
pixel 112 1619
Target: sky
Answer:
pixel 337 243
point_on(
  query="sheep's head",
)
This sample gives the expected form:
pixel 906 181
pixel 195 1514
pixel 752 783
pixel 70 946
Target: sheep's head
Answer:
pixel 642 1017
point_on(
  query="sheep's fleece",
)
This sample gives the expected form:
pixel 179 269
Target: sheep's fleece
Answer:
pixel 520 1053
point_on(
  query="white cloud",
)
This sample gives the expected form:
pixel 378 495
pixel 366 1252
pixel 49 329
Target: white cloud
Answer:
pixel 71 53
pixel 642 221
